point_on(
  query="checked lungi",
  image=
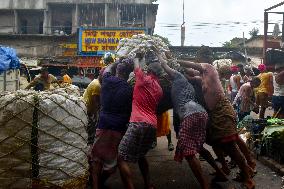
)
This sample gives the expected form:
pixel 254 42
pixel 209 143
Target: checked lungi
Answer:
pixel 192 135
pixel 137 141
pixel 105 148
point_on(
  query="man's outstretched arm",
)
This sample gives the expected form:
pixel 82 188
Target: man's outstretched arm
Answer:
pixel 189 64
pixel 163 60
pixel 171 72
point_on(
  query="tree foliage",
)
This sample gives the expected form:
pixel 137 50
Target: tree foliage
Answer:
pixel 254 32
pixel 276 31
pixel 233 43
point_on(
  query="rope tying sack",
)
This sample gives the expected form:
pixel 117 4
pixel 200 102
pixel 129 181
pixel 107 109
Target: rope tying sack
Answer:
pixel 43 140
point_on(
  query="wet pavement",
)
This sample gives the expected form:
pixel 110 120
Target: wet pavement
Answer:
pixel 166 173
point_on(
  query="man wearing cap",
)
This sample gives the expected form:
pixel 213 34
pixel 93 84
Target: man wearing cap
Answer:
pixel 141 132
pixel 264 90
pixel 278 95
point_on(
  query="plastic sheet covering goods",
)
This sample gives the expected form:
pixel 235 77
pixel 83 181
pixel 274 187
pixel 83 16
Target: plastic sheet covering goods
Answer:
pixel 8 59
pixel 42 140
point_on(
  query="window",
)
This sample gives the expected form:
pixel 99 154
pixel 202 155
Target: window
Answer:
pixel 92 15
pixel 132 15
pixel 40 28
pixel 24 26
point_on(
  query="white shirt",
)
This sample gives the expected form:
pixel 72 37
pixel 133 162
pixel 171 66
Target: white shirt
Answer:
pixel 233 84
pixel 278 89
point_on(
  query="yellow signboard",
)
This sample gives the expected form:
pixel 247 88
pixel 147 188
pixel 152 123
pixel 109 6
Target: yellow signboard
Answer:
pixel 100 40
pixel 68 45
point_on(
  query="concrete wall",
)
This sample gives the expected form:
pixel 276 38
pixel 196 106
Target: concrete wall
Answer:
pixel 28 4
pixel 7 21
pixel 258 43
pixel 190 51
pixel 37 45
pixel 42 4
pixel 100 1
pixel 22 4
pixel 53 46
pixel 151 12
pixel 33 16
pixel 255 43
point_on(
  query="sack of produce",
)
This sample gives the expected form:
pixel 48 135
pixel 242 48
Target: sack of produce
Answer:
pixel 69 89
pixel 129 47
pixel 221 63
pixel 43 140
pixel 141 44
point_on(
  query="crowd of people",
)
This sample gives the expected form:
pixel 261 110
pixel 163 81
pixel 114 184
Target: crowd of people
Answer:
pixel 256 92
pixel 124 121
pixel 127 120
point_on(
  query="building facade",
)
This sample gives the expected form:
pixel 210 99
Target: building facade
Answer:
pixel 64 17
pixel 257 42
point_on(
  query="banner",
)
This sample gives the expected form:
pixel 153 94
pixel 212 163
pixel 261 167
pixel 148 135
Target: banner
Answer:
pixel 98 41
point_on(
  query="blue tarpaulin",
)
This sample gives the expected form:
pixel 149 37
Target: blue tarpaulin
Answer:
pixel 8 59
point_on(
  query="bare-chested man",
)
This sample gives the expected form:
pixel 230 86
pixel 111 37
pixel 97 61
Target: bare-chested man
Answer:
pixel 222 132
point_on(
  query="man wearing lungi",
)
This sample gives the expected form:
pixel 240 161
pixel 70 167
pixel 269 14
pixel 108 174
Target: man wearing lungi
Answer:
pixel 116 99
pixel 193 121
pixel 141 132
pixel 222 130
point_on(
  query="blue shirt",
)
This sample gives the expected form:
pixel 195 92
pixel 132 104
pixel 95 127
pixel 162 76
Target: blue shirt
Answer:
pixel 116 100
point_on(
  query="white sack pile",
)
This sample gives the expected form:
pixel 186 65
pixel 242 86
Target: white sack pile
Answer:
pixel 43 140
pixel 129 47
pixel 142 44
pixel 221 63
pixel 69 89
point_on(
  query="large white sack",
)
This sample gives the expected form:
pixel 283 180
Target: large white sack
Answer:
pixel 128 47
pixel 57 121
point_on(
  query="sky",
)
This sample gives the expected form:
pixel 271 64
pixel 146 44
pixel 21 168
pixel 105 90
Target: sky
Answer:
pixel 213 22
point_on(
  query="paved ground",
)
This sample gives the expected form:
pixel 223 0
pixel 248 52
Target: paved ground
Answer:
pixel 167 173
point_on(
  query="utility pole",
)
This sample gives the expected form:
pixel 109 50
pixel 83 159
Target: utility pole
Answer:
pixel 244 41
pixel 182 27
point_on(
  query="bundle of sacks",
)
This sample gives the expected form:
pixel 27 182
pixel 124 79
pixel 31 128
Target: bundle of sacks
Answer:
pixel 142 44
pixel 222 63
pixel 69 89
pixel 129 47
pixel 43 140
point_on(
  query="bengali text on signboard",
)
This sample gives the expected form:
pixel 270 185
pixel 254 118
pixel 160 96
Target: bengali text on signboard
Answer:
pixel 99 41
